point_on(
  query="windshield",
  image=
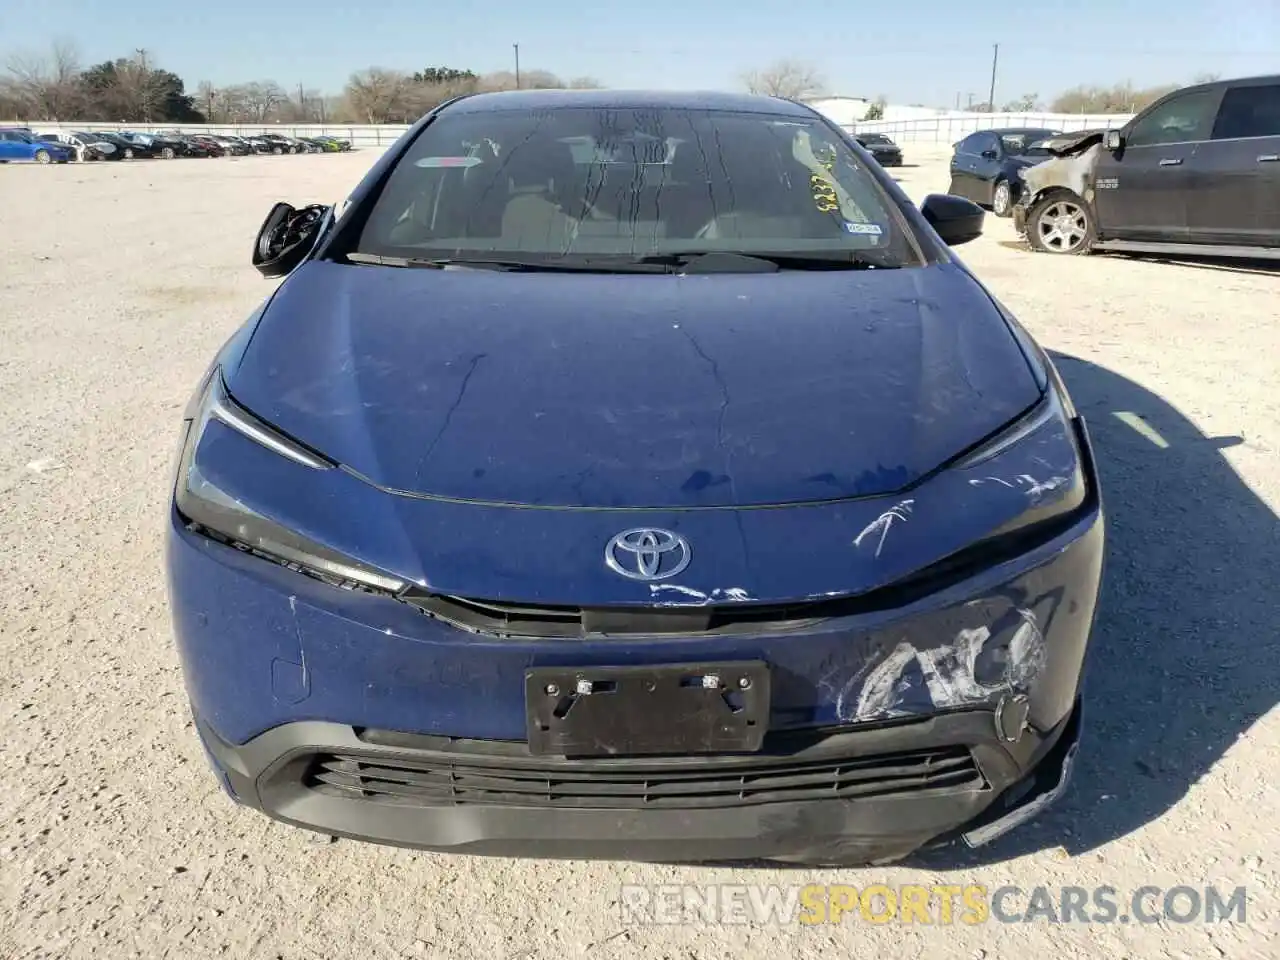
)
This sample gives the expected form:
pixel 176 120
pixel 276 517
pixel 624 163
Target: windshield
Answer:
pixel 876 139
pixel 1023 143
pixel 632 182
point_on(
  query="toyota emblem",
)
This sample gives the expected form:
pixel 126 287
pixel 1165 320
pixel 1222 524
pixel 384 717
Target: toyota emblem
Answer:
pixel 647 553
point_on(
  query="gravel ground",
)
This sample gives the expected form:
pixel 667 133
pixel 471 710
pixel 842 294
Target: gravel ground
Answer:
pixel 118 283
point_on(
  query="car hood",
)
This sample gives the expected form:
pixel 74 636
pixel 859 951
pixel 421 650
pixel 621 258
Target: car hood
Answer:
pixel 626 391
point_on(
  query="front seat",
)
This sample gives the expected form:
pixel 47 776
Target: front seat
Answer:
pixel 539 183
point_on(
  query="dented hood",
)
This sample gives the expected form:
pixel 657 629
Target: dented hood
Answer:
pixel 1066 144
pixel 581 390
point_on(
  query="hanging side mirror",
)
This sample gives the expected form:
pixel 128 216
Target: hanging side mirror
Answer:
pixel 285 238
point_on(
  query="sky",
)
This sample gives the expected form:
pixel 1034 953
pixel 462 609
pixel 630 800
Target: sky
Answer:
pixel 930 52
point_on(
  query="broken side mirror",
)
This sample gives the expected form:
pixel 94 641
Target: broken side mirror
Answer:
pixel 1113 140
pixel 285 238
pixel 955 219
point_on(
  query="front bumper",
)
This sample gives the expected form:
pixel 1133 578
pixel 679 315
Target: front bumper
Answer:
pixel 484 798
pixel 293 681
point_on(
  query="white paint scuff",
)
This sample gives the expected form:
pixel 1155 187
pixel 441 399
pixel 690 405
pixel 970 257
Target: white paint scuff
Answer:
pixel 730 594
pixel 949 672
pixel 1033 488
pixel 881 524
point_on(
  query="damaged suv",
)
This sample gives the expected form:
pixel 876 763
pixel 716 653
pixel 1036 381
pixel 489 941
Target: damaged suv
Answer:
pixel 1195 173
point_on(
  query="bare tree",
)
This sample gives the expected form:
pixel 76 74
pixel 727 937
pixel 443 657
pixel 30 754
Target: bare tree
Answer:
pixel 1121 98
pixel 377 95
pixel 49 86
pixel 1023 104
pixel 261 97
pixel 585 83
pixel 786 78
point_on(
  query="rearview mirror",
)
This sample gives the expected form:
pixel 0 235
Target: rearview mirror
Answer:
pixel 286 237
pixel 1113 140
pixel 955 219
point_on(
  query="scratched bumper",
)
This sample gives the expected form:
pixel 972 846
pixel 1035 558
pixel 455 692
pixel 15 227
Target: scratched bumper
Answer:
pixel 282 669
pixel 262 646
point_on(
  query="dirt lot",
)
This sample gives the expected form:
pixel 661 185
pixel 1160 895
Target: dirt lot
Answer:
pixel 120 280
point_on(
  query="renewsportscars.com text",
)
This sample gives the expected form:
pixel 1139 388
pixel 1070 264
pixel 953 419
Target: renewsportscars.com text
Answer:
pixel 938 904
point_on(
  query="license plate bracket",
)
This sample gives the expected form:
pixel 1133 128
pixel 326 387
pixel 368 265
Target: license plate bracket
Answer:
pixel 685 708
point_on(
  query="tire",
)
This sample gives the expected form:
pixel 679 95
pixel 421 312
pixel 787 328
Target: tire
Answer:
pixel 1061 223
pixel 1002 199
pixel 167 153
pixel 128 154
pixel 278 151
pixel 42 156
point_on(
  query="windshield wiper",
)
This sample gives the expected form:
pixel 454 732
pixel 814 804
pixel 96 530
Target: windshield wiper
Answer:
pixel 709 261
pixel 718 261
pixel 560 265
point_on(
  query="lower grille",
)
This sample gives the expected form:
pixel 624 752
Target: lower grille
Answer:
pixel 718 782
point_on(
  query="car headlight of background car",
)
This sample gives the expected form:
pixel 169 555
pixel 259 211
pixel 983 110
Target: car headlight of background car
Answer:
pixel 224 517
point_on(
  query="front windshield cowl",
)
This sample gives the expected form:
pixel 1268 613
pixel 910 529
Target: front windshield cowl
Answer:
pixel 625 184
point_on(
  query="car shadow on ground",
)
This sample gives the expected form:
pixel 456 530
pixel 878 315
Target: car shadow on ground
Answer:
pixel 1180 665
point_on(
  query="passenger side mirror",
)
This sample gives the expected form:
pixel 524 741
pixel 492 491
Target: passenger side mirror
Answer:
pixel 991 154
pixel 955 219
pixel 286 237
pixel 1113 140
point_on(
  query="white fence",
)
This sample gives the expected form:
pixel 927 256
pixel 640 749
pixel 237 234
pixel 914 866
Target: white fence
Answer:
pixel 948 128
pixel 360 135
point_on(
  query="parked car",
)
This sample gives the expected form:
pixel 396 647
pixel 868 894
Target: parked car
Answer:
pixel 260 145
pixel 230 146
pixel 886 152
pixel 324 144
pixel 1195 173
pixel 86 146
pixel 96 145
pixel 18 144
pixel 985 165
pixel 282 144
pixel 126 148
pixel 162 146
pixel 727 579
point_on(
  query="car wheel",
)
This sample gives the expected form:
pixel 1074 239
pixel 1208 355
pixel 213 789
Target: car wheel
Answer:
pixel 168 153
pixel 128 154
pixel 1061 223
pixel 42 156
pixel 277 151
pixel 1002 199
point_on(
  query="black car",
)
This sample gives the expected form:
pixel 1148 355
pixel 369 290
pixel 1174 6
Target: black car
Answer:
pixel 126 148
pixel 1195 173
pixel 985 165
pixel 165 146
pixel 886 152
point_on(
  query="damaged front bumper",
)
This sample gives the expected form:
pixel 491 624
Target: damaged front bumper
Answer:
pixel 391 788
pixel 946 713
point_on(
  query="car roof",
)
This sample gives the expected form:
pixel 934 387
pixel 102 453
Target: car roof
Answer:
pixel 628 99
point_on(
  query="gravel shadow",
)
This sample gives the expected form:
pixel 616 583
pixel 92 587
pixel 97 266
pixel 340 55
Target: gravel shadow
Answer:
pixel 1180 663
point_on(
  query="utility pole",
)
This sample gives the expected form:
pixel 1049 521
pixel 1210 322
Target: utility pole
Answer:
pixel 516 48
pixel 302 105
pixel 995 58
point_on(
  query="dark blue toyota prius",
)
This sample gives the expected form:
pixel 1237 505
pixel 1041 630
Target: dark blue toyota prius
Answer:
pixel 637 476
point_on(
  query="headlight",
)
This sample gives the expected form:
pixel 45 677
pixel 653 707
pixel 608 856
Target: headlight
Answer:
pixel 225 517
pixel 1061 487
